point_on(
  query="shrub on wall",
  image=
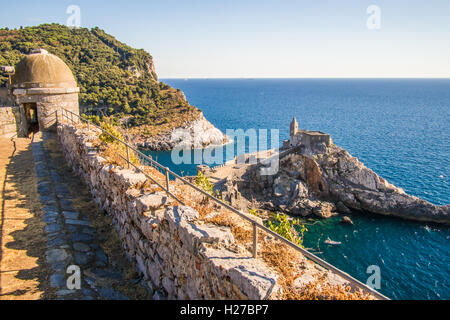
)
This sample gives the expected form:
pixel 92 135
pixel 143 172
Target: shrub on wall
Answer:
pixel 286 228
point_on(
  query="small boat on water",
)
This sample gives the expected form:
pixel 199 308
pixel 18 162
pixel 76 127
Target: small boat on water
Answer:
pixel 329 241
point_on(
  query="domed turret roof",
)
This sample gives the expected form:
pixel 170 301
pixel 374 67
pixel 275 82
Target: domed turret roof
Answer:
pixel 41 69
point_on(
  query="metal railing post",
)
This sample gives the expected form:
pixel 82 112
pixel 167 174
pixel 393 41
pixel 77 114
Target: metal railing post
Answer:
pixel 167 179
pixel 128 156
pixel 255 240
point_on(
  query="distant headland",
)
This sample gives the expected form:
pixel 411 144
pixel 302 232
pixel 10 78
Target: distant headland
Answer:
pixel 113 81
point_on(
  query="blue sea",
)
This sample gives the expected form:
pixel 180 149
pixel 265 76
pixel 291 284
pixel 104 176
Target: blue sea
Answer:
pixel 397 127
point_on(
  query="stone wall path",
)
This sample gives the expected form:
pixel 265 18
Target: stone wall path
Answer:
pixel 78 233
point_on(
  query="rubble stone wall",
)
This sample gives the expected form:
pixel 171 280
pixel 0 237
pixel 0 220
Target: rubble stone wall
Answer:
pixel 9 121
pixel 178 255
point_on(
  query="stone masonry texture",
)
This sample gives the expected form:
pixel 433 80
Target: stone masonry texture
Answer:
pixel 179 257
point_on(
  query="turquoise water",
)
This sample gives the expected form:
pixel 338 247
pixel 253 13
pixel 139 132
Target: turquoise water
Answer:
pixel 398 128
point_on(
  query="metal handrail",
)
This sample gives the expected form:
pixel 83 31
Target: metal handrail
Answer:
pixel 254 223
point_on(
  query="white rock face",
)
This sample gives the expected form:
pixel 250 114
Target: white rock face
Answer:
pixel 199 134
pixel 195 135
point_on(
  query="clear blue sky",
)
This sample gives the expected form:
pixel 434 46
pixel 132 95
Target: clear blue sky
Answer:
pixel 260 38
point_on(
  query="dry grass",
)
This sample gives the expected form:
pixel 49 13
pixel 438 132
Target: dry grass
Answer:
pixel 115 153
pixel 285 261
pixel 150 186
pixel 194 199
pixel 320 289
pixel 288 263
pixel 112 153
pixel 239 231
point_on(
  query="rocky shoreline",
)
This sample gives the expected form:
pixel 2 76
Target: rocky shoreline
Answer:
pixel 196 134
pixel 324 182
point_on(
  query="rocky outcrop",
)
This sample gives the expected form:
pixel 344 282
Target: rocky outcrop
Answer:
pixel 331 182
pixel 358 187
pixel 196 134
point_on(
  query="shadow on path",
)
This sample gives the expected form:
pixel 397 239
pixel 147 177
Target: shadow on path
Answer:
pixel 24 273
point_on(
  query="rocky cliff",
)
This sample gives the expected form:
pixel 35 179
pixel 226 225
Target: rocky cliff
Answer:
pixel 195 134
pixel 115 80
pixel 329 182
pixel 358 187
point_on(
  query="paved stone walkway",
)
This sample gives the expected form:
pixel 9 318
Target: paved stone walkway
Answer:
pixel 23 272
pixel 72 239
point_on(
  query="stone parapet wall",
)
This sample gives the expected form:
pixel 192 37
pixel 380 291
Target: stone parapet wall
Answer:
pixel 9 121
pixel 180 256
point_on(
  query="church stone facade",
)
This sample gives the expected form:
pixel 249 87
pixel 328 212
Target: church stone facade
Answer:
pixel 305 138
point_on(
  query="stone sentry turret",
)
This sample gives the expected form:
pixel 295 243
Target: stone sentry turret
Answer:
pixel 310 140
pixel 41 85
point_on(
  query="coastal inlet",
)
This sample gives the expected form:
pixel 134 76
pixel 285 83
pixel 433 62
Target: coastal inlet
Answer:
pixel 381 123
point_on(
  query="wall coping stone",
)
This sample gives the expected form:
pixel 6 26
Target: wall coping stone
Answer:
pixel 35 91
